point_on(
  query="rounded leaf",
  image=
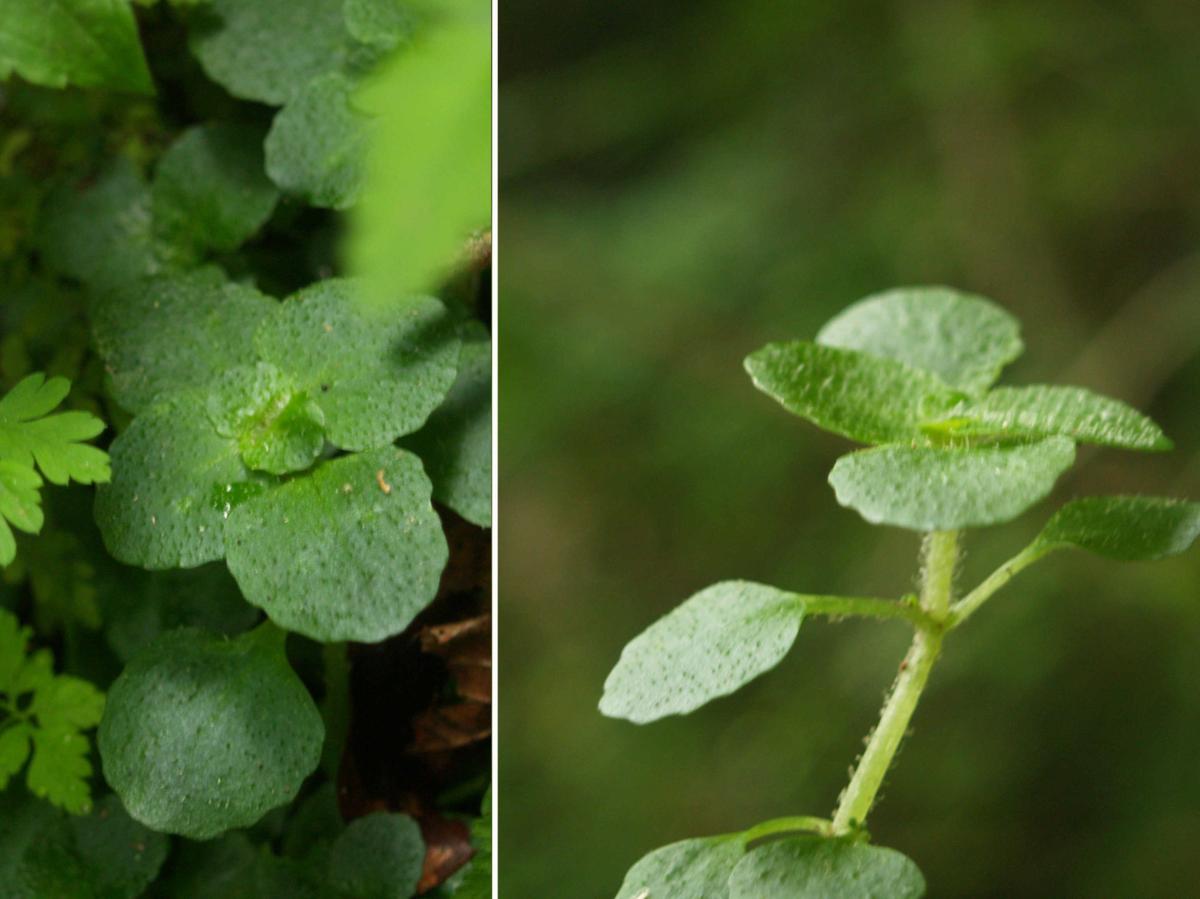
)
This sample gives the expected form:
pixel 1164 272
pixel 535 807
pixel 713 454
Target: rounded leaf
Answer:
pixel 375 374
pixel 122 857
pixel 202 734
pixel 351 551
pixel 936 489
pixel 377 857
pixel 689 869
pixel 865 398
pixel 723 637
pixel 821 868
pixel 963 339
pixel 1124 527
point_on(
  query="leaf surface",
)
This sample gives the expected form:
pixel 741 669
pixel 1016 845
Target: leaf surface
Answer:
pixel 122 857
pixel 175 332
pixel 29 434
pixel 89 43
pixel 1045 410
pixel 930 489
pixel 379 856
pixel 1124 527
pixel 964 339
pixel 819 868
pixel 269 49
pixel 316 148
pixel 351 551
pixel 456 442
pixel 210 191
pixel 203 734
pixel 866 398
pixel 689 869
pixel 375 374
pixel 175 482
pixel 718 640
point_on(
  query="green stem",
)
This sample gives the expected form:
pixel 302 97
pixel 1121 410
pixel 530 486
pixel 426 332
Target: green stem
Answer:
pixel 861 607
pixel 969 604
pixel 937 582
pixel 796 824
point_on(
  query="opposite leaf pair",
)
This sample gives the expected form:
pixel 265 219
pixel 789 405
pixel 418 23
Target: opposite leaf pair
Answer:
pixel 238 397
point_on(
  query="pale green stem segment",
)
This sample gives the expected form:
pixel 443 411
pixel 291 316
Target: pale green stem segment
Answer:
pixel 860 607
pixel 937 585
pixel 964 608
pixel 796 824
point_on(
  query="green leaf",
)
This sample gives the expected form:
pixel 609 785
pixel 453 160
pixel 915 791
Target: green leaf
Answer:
pixel 690 869
pixel 36 852
pixel 28 434
pixel 14 751
pixel 175 482
pixel 51 721
pixel 269 49
pixel 477 882
pixel 718 640
pixel 279 429
pixel 317 144
pixel 927 489
pixel 865 398
pixel 89 43
pixel 210 191
pixel 456 442
pixel 819 868
pixel 963 339
pixel 176 332
pixel 20 506
pixel 377 857
pixel 352 551
pixel 1123 527
pixel 203 734
pixel 375 374
pixel 102 235
pixel 122 857
pixel 381 24
pixel 1042 411
pixel 428 184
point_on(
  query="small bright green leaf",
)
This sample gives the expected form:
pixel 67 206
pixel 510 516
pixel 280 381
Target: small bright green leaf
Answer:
pixel 175 332
pixel 269 49
pixel 317 144
pixel 927 489
pixel 278 429
pixel 203 734
pixel 28 434
pixel 13 642
pixel 351 551
pixel 376 374
pixel 175 481
pixel 60 769
pixel 821 868
pixel 377 857
pixel 477 882
pixel 210 191
pixel 428 185
pixel 456 442
pixel 690 869
pixel 866 398
pixel 67 703
pixel 89 43
pixel 122 857
pixel 1124 527
pixel 1043 411
pixel 963 339
pixel 718 640
pixel 14 751
pixel 20 506
pixel 102 235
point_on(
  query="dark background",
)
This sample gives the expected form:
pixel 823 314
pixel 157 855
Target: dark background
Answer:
pixel 685 181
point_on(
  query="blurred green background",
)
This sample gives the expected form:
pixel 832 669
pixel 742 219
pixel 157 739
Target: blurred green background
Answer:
pixel 685 181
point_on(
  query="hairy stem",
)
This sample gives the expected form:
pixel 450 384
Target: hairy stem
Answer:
pixel 967 606
pixel 906 609
pixel 937 583
pixel 776 826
